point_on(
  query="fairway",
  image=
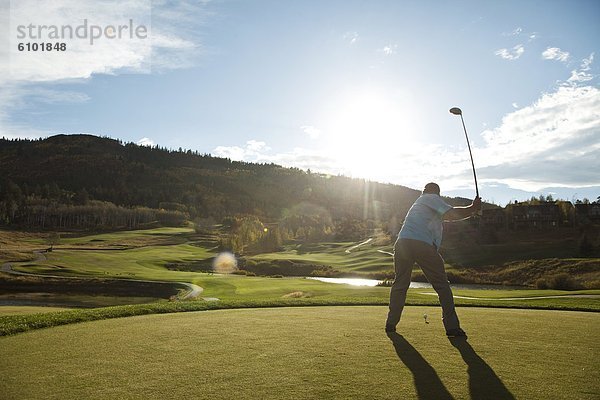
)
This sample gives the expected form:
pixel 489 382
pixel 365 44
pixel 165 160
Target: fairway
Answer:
pixel 308 353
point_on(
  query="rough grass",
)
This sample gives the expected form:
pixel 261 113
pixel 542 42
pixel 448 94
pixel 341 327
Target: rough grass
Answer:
pixel 15 310
pixel 308 353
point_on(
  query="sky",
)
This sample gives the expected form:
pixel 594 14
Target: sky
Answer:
pixel 359 88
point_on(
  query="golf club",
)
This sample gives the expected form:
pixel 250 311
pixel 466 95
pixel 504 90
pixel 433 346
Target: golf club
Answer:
pixel 458 111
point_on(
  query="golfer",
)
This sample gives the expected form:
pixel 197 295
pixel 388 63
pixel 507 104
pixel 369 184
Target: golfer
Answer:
pixel 419 241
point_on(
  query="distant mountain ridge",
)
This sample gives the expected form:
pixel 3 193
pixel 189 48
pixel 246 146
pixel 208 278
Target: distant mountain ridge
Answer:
pixel 130 175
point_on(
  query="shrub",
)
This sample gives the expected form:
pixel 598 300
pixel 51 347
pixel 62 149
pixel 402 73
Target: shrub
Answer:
pixel 455 277
pixel 418 276
pixel 240 272
pixel 383 275
pixel 564 282
pixel 541 284
pixel 386 283
pixel 558 282
pixel 276 276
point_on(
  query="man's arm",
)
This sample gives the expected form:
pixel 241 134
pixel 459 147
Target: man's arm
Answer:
pixel 458 213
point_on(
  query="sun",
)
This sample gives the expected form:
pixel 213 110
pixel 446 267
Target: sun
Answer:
pixel 365 132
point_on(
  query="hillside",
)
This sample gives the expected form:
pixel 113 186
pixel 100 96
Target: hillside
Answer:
pixel 72 169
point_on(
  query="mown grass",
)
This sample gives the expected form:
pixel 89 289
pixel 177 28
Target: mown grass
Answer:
pixel 362 259
pixel 308 353
pixel 147 263
pixel 135 254
pixel 262 298
pixel 149 251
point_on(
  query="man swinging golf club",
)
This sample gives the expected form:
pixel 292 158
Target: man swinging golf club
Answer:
pixel 419 241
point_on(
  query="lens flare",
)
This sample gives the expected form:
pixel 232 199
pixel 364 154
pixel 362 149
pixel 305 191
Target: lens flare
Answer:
pixel 224 263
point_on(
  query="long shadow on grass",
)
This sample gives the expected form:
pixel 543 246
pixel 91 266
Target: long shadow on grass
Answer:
pixel 483 381
pixel 427 381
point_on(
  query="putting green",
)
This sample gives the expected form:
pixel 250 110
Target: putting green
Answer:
pixel 308 353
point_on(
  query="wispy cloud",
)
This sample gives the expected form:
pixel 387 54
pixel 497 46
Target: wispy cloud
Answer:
pixel 582 74
pixel 389 49
pixel 255 146
pixel 515 32
pixel 51 96
pixel 166 45
pixel 511 54
pixel 351 37
pixel 552 142
pixel 146 142
pixel 311 131
pixel 555 53
pixel 253 151
pixel 235 153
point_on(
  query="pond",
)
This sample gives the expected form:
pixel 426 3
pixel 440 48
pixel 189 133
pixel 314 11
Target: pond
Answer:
pixel 413 285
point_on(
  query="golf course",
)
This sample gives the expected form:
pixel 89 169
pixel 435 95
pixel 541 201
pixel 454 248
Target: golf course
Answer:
pixel 299 200
pixel 244 336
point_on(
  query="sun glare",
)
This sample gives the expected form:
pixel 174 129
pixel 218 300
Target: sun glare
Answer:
pixel 365 132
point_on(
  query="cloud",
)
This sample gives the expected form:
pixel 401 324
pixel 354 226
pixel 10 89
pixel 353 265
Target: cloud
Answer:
pixel 24 98
pixel 515 32
pixel 311 131
pixel 582 75
pixel 555 53
pixel 511 54
pixel 515 105
pixel 167 44
pixel 252 151
pixel 256 146
pixel 51 96
pixel 351 37
pixel 389 49
pixel 146 142
pixel 552 142
pixel 586 64
pixel 232 152
pixel 73 20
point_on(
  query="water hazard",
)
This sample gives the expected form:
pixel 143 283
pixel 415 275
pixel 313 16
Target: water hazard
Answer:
pixel 413 285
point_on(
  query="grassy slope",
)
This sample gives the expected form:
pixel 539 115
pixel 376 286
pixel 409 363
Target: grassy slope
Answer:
pixel 365 258
pixel 308 353
pixel 142 255
pixel 138 252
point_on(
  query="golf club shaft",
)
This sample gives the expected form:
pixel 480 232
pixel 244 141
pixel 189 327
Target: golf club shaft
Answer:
pixel 471 154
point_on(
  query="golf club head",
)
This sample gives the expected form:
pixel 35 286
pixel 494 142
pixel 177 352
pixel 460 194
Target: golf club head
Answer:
pixel 456 111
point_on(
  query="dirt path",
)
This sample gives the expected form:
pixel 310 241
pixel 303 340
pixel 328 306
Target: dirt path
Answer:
pixel 358 245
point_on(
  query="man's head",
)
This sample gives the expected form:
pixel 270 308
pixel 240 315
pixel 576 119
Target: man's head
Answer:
pixel 431 188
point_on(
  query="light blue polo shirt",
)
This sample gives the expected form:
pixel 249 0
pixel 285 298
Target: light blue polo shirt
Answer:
pixel 424 220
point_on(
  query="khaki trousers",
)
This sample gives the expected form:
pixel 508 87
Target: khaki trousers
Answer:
pixel 406 253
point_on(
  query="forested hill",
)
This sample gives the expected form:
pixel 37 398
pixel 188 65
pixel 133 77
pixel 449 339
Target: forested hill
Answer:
pixel 76 169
